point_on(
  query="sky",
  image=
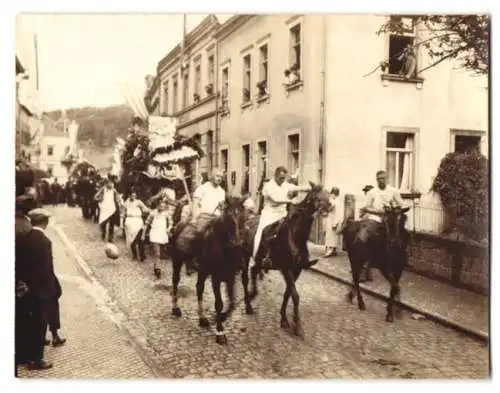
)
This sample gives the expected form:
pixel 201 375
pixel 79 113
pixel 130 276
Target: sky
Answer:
pixel 83 60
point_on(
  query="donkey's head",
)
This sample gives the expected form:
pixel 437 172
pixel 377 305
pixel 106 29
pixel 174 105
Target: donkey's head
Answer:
pixel 394 221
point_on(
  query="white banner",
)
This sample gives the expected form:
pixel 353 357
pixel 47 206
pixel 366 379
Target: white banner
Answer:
pixel 161 131
pixel 73 135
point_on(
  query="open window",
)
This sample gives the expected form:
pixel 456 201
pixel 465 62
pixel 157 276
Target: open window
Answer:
pixel 402 54
pixel 293 153
pixel 245 186
pixel 247 78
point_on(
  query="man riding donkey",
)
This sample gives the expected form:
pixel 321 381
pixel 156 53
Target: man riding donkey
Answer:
pixel 208 201
pixel 277 193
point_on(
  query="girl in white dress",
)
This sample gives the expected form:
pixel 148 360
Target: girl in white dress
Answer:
pixel 159 225
pixel 133 224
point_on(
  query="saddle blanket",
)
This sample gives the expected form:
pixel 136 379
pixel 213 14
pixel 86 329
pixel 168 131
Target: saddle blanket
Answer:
pixel 187 239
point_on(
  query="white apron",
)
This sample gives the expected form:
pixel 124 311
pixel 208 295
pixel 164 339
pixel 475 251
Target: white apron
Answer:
pixel 133 221
pixel 158 233
pixel 267 217
pixel 107 206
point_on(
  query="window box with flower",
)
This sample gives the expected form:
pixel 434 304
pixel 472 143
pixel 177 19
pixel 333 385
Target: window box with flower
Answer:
pixel 209 89
pixel 196 98
pixel 293 79
pixel 262 92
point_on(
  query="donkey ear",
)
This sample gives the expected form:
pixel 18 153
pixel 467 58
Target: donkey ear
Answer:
pixel 405 209
pixel 315 186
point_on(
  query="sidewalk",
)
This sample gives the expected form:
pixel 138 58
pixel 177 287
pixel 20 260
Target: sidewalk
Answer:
pixel 451 305
pixel 96 346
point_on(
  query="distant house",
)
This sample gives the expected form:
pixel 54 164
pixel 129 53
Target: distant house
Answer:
pixel 53 144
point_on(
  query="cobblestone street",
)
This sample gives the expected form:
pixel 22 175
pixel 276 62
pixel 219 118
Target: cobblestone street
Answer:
pixel 341 341
pixel 96 346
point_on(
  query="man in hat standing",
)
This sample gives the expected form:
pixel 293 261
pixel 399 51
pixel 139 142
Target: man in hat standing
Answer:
pixel 22 313
pixel 42 285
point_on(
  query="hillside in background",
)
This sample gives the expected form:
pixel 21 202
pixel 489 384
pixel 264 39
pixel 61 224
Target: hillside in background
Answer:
pixel 99 127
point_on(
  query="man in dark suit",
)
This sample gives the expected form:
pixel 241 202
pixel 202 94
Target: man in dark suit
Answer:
pixel 22 313
pixel 42 286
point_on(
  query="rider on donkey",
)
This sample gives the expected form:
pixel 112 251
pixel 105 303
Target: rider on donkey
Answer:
pixel 379 197
pixel 277 194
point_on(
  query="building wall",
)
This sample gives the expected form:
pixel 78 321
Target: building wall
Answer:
pixel 284 112
pixel 59 144
pixel 193 117
pixel 360 109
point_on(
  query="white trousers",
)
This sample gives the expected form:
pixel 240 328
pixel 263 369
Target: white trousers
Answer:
pixel 266 218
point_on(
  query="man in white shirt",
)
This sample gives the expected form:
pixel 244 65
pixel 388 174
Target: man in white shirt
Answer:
pixel 277 193
pixel 381 196
pixel 210 196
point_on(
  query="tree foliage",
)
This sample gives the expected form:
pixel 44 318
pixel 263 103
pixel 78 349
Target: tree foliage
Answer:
pixel 463 38
pixel 462 184
pixel 100 125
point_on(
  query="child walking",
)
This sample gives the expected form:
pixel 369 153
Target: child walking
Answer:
pixel 159 226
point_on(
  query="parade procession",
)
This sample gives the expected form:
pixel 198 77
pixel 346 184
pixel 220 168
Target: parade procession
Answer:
pixel 211 240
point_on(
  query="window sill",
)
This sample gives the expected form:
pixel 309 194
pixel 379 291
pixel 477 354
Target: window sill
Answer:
pixel 224 112
pixel 246 105
pixel 264 98
pixel 401 79
pixel 294 86
pixel 411 195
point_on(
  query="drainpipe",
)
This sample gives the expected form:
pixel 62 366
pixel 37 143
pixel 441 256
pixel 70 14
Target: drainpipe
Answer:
pixel 217 97
pixel 322 130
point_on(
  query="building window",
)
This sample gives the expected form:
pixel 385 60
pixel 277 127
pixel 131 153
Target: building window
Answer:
pixel 211 68
pixel 262 163
pixel 293 153
pixel 185 96
pixel 209 149
pixel 175 98
pixel 466 141
pixel 295 47
pixel 245 186
pixel 50 169
pixel 263 71
pixel 224 158
pixel 197 83
pixel 50 150
pixel 165 98
pixel 247 78
pixel 400 156
pixel 402 55
pixel 225 83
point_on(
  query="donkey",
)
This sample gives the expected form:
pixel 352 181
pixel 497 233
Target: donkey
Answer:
pixel 287 250
pixel 218 254
pixel 384 247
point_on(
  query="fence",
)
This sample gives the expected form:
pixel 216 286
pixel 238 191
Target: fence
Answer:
pixel 426 215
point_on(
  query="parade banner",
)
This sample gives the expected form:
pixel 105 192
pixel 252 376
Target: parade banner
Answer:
pixel 161 132
pixel 73 135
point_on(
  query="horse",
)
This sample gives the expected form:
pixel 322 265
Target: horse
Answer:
pixel 287 244
pixel 383 247
pixel 218 252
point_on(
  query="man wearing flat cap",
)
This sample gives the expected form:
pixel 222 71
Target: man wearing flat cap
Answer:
pixel 42 285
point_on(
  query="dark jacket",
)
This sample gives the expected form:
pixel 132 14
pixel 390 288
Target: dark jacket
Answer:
pixel 40 278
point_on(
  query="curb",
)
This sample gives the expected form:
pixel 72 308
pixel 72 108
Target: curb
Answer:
pixel 478 335
pixel 87 271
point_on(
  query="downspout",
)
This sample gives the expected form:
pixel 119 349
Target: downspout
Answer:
pixel 322 120
pixel 217 96
pixel 322 128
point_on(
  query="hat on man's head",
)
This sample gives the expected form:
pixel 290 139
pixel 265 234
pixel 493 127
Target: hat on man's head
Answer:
pixel 367 188
pixel 38 214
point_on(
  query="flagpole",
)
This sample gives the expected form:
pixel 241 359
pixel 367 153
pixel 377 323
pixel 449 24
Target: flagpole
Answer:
pixel 36 62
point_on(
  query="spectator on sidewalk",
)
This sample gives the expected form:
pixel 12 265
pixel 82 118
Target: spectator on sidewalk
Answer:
pixel 333 224
pixel 42 287
pixel 53 317
pixel 22 304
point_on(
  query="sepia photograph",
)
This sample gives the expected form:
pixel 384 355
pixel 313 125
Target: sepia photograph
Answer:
pixel 252 196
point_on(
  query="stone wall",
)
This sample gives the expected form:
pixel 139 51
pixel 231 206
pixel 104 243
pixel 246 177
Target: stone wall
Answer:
pixel 464 265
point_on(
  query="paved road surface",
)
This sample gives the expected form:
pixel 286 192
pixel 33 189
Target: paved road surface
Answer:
pixel 96 347
pixel 341 341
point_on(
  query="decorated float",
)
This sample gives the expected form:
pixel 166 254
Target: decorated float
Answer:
pixel 154 155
